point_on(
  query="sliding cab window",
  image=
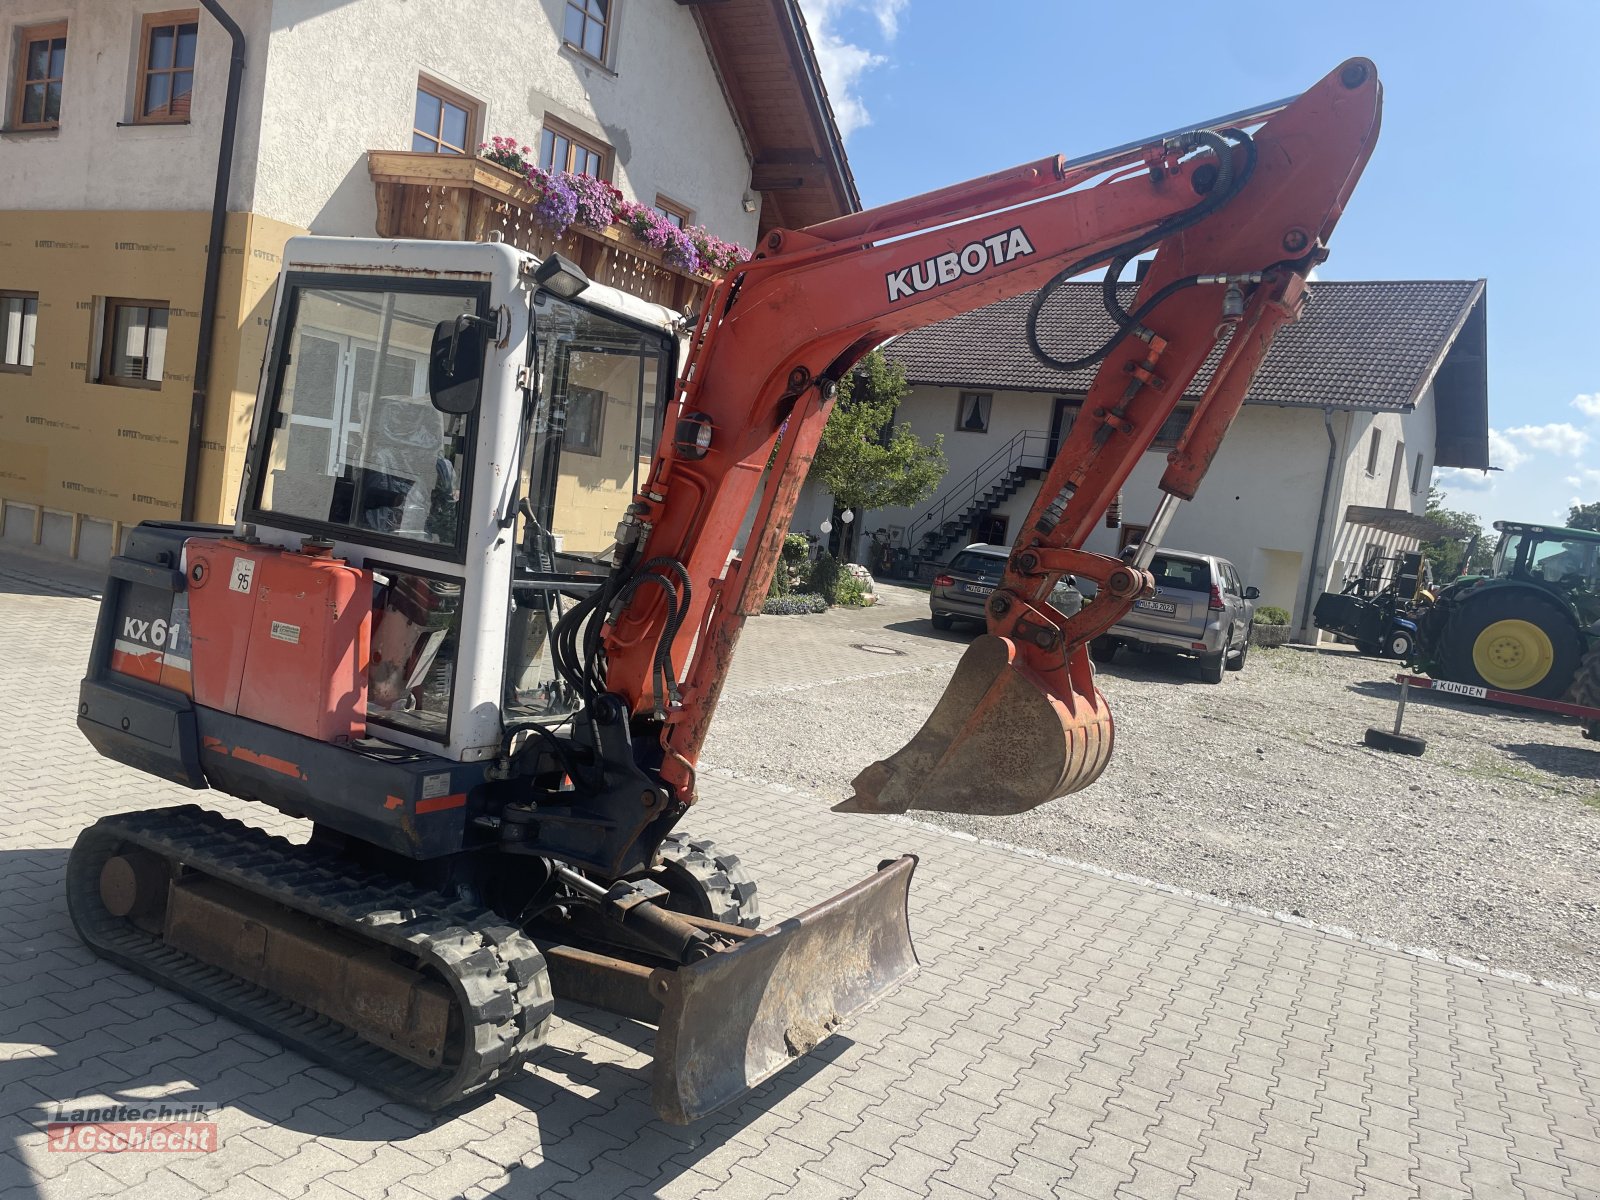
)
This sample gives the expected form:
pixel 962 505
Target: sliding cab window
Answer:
pixel 356 448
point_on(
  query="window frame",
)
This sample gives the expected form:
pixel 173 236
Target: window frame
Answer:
pixel 1186 411
pixel 594 447
pixel 557 128
pixel 108 325
pixel 581 8
pixel 1416 474
pixel 962 409
pixel 445 94
pixel 19 367
pixel 151 22
pixel 293 283
pixel 1373 452
pixel 27 36
pixel 670 208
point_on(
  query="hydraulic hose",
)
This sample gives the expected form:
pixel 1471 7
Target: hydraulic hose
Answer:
pixel 1227 185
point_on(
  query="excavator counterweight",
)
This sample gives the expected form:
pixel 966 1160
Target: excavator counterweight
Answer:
pixel 474 635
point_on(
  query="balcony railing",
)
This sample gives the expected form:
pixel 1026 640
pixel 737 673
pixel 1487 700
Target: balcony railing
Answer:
pixel 448 197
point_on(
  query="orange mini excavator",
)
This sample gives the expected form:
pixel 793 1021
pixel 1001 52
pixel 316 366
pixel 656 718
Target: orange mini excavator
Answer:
pixel 485 585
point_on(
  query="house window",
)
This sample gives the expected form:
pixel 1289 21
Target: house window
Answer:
pixel 1397 472
pixel 972 414
pixel 1416 474
pixel 166 72
pixel 133 345
pixel 1372 451
pixel 1172 428
pixel 562 148
pixel 675 213
pixel 586 410
pixel 41 68
pixel 19 315
pixel 444 120
pixel 588 27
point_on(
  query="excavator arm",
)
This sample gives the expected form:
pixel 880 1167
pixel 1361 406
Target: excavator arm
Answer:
pixel 1236 217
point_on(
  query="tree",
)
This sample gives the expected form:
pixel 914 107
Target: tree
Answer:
pixel 1584 516
pixel 866 460
pixel 1456 528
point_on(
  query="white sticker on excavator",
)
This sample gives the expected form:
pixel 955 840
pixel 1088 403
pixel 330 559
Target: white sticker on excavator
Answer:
pixel 244 575
pixel 972 259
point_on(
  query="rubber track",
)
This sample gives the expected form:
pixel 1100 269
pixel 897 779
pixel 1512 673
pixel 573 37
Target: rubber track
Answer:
pixel 497 974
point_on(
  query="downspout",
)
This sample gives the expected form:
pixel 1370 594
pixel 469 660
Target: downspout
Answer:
pixel 219 221
pixel 1322 520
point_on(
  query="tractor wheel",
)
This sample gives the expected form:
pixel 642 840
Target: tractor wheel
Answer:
pixel 1398 645
pixel 706 884
pixel 1586 690
pixel 1511 641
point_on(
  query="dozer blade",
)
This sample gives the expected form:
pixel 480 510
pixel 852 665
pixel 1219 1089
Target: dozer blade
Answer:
pixel 1003 738
pixel 732 1020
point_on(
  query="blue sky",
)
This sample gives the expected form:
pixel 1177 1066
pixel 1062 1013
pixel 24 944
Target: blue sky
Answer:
pixel 1486 165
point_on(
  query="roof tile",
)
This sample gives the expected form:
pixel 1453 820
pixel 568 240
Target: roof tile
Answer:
pixel 1363 345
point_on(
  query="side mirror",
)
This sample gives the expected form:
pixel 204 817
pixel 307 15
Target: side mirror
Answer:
pixel 1252 593
pixel 455 364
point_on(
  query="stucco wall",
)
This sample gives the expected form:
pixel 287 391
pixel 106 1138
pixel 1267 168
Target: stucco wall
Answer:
pixel 92 163
pixel 343 79
pixel 1257 507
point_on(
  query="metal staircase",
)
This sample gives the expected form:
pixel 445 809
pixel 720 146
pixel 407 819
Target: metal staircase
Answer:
pixel 1000 476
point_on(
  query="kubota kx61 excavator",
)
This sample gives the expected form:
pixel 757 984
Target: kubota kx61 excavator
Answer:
pixel 455 632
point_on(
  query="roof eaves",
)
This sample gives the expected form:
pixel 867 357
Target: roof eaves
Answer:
pixel 817 91
pixel 1448 343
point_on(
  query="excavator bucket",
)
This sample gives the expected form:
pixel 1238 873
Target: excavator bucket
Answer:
pixel 734 1019
pixel 1005 737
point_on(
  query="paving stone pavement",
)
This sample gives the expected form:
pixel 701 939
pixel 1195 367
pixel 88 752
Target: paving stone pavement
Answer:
pixel 1068 1035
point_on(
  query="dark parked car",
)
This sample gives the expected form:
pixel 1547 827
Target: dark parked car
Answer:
pixel 1200 608
pixel 962 588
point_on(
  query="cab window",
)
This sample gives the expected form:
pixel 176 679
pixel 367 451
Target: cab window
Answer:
pixel 356 443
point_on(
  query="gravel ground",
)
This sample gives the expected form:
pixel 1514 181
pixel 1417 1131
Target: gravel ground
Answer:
pixel 1258 790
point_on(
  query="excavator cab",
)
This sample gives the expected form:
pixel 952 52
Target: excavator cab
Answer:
pixel 498 529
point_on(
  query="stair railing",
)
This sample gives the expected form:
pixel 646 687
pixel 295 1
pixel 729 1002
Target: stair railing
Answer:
pixel 1030 448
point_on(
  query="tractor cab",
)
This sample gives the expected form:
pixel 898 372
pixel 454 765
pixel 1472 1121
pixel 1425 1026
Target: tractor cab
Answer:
pixel 1566 560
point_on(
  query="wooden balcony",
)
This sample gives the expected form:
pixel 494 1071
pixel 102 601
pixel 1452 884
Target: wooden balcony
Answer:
pixel 447 197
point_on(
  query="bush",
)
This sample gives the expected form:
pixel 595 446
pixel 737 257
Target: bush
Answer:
pixel 849 591
pixel 1271 614
pixel 793 560
pixel 825 577
pixel 795 605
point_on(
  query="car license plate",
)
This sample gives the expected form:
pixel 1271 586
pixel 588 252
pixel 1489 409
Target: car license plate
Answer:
pixel 979 589
pixel 1166 607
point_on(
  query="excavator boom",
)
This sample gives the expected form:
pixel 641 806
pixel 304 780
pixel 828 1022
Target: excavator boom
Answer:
pixel 1236 219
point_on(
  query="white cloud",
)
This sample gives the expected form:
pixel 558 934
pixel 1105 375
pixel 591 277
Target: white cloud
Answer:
pixel 1588 405
pixel 1504 453
pixel 843 62
pixel 1555 438
pixel 1454 479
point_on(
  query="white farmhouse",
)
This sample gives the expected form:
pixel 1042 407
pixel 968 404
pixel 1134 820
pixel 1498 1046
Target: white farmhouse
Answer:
pixel 1328 462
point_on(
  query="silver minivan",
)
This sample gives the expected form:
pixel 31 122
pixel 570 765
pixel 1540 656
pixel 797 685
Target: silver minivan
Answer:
pixel 1200 608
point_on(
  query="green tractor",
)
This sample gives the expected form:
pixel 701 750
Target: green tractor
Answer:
pixel 1528 624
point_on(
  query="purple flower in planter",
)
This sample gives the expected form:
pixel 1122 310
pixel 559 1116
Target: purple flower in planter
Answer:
pixel 596 199
pixel 557 206
pixel 679 251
